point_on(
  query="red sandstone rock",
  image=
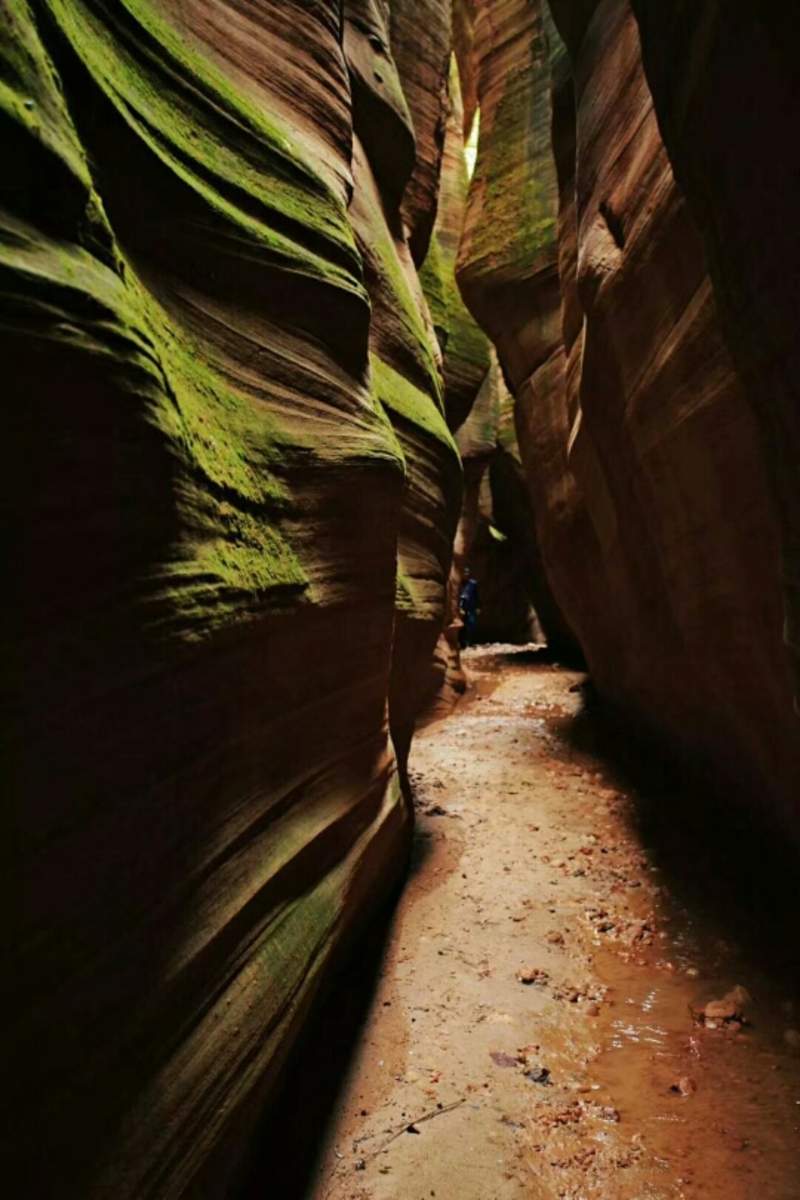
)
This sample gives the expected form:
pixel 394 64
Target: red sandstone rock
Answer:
pixel 421 39
pixel 208 500
pixel 406 377
pixel 496 533
pixel 655 517
pixel 667 451
pixel 465 347
pixel 507 265
pixel 724 83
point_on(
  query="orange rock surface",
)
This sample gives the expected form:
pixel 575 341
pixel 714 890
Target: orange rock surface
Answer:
pixel 656 520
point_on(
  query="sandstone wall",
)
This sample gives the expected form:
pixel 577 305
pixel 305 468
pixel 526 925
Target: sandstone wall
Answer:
pixel 655 516
pixel 421 34
pixel 496 533
pixel 406 371
pixel 216 459
pixel 507 264
pixel 465 347
pixel 465 357
pixel 724 83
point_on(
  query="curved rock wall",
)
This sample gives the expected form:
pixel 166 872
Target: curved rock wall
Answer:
pixel 208 617
pixel 496 534
pixel 423 65
pixel 507 266
pixel 235 488
pixel 654 512
pixel 406 373
pixel 465 347
pixel 724 84
pixel 465 356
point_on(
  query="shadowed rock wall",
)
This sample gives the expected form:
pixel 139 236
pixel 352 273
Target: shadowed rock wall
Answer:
pixel 406 371
pixel 234 490
pixel 421 36
pixel 655 516
pixel 465 347
pixel 508 260
pixel 218 458
pixel 496 534
pixel 724 83
pixel 465 354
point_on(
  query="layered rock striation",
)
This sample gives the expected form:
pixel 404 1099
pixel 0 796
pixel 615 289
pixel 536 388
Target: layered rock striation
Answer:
pixel 234 497
pixel 465 352
pixel 406 370
pixel 234 357
pixel 464 345
pixel 655 516
pixel 724 85
pixel 496 534
pixel 507 265
pixel 421 35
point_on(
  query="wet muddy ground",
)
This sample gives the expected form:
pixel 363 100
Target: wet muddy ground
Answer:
pixel 541 1019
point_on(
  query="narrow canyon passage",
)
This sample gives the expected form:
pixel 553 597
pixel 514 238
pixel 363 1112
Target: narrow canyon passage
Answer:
pixel 531 1031
pixel 336 336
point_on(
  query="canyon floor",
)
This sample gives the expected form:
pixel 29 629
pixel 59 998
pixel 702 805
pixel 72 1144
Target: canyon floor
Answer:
pixel 536 1021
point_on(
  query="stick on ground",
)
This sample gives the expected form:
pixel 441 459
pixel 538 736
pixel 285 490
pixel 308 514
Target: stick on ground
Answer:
pixel 428 1116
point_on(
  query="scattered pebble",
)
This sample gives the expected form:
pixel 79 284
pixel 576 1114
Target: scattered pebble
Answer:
pixel 525 1053
pixel 501 1059
pixel 721 1010
pixel 684 1087
pixel 538 1075
pixel 532 975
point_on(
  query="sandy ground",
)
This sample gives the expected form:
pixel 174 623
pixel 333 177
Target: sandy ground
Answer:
pixel 534 1032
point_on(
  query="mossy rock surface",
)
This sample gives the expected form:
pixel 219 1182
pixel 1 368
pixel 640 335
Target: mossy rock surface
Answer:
pixel 208 490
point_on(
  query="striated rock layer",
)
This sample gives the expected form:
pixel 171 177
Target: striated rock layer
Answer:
pixel 420 38
pixel 465 347
pixel 496 533
pixel 465 358
pixel 508 259
pixel 724 84
pixel 406 374
pixel 215 454
pixel 655 517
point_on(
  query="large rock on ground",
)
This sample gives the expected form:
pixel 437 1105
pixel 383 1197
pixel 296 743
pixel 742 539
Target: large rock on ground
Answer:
pixel 656 521
pixel 207 501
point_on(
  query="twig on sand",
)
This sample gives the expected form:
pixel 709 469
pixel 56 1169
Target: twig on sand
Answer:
pixel 428 1116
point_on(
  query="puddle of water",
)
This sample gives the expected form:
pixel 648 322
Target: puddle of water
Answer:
pixel 735 1132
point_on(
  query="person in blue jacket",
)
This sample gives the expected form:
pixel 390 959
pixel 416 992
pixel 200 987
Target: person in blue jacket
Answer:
pixel 469 605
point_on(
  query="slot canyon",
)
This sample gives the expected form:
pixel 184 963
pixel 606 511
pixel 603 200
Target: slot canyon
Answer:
pixel 309 307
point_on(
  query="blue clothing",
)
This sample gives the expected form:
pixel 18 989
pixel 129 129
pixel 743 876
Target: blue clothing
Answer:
pixel 469 602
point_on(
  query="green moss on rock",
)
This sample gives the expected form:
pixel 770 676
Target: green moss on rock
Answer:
pixel 465 347
pixel 398 395
pixel 243 165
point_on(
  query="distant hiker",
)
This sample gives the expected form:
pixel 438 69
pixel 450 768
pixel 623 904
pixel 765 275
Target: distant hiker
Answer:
pixel 469 605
